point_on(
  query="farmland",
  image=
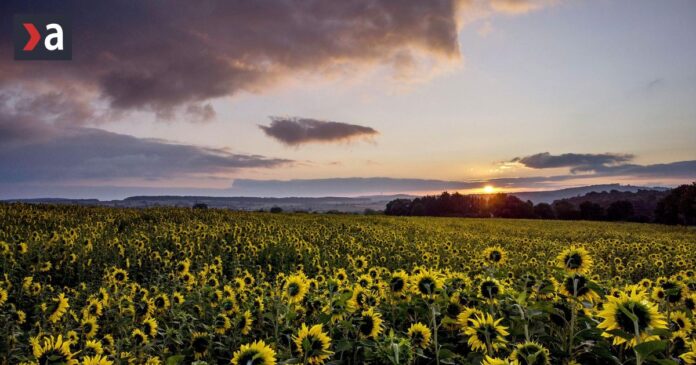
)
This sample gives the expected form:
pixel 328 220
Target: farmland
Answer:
pixel 89 285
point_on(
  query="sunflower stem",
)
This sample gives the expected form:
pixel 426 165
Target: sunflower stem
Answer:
pixel 433 324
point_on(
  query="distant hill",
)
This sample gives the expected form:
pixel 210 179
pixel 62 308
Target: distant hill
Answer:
pixel 552 195
pixel 324 204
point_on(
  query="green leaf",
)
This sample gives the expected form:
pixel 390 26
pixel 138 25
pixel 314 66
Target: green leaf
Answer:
pixel 175 360
pixel 621 333
pixel 645 349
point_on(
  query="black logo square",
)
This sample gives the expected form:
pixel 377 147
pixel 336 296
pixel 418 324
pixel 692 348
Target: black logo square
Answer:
pixel 42 37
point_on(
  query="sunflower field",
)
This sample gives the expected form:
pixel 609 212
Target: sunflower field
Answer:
pixel 100 286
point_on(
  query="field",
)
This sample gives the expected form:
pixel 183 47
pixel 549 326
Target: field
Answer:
pixel 179 286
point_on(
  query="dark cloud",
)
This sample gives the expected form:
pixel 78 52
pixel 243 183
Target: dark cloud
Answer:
pixel 165 55
pixel 35 151
pixel 680 169
pixel 577 162
pixel 296 131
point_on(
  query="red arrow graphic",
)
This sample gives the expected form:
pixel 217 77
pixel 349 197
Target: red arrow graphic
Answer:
pixel 34 36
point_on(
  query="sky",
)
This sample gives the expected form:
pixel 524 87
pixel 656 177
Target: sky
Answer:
pixel 361 97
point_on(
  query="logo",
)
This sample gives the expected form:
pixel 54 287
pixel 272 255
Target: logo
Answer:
pixel 42 37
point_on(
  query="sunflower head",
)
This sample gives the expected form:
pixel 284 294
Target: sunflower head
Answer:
pixel 530 353
pixel 575 260
pixel 486 334
pixel 90 326
pixel 295 288
pixel 244 322
pixel 312 344
pixel 489 288
pixel 631 313
pixel 370 323
pixel 53 350
pixel 494 256
pixel 495 361
pixel 578 286
pixel 200 342
pixel 138 337
pixel 255 353
pixel 419 334
pixel 427 283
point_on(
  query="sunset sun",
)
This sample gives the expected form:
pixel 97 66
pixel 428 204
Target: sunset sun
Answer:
pixel 488 189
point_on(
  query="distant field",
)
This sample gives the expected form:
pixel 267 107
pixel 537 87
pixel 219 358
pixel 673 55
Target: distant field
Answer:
pixel 179 285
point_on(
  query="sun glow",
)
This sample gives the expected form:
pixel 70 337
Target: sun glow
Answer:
pixel 488 189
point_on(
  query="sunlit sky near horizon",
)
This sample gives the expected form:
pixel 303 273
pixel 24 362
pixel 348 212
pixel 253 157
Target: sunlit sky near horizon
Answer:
pixel 528 95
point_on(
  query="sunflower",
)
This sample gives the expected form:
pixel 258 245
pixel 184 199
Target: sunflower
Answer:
pixel 53 351
pixel 93 308
pixel 658 294
pixel 89 326
pixel 680 322
pixel 530 353
pixel 674 290
pixel 495 361
pixel 360 263
pixel 494 255
pixel 222 324
pixel 182 267
pixel 58 309
pixel 486 334
pixel 3 296
pixel 690 357
pixel 295 288
pixel 92 348
pixel 419 334
pixel 690 302
pixel 631 313
pixel 466 316
pixel 490 289
pixel 255 353
pixel 427 283
pixel 578 286
pixel 119 276
pixel 370 323
pixel 336 308
pixel 150 326
pixel 139 337
pixel 362 299
pixel 153 360
pixel 313 344
pixel 161 302
pixel 244 323
pixel 20 316
pixel 200 342
pixel 575 260
pixel 96 360
pixel 177 298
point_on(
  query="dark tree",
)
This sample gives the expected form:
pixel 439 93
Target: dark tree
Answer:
pixel 565 210
pixel 398 207
pixel 591 211
pixel 679 207
pixel 508 206
pixel 276 210
pixel 621 210
pixel 543 211
pixel 200 206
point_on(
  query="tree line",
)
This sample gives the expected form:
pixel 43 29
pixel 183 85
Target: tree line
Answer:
pixel 677 207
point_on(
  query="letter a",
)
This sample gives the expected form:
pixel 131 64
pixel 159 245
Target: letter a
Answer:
pixel 57 35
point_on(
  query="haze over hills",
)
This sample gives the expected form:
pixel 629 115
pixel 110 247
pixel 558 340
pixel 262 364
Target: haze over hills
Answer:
pixel 550 196
pixel 310 204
